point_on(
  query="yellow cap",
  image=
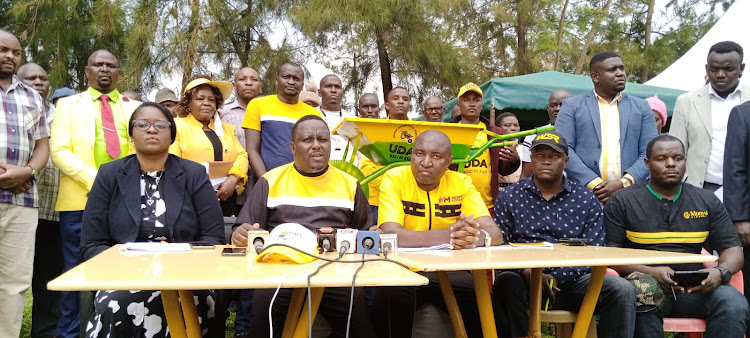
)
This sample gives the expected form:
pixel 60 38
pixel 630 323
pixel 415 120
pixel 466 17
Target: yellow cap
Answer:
pixel 294 235
pixel 470 87
pixel 225 88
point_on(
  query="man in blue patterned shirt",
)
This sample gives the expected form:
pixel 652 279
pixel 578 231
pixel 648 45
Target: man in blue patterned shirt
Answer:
pixel 547 207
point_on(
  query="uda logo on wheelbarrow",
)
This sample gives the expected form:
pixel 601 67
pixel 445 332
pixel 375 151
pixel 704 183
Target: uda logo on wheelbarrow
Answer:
pixel 405 132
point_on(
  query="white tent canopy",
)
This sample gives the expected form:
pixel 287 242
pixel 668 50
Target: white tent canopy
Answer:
pixel 688 72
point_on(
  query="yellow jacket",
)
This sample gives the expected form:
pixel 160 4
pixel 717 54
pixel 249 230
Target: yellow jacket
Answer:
pixel 192 144
pixel 72 145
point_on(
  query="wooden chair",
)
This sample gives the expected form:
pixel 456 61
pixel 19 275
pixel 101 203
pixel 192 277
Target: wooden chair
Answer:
pixel 564 321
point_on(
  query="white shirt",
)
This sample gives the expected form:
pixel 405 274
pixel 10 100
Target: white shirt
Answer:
pixel 338 143
pixel 609 160
pixel 720 109
pixel 524 151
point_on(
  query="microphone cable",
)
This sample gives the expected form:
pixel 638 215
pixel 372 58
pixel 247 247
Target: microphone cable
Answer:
pixel 270 306
pixel 351 297
pixel 328 261
pixel 345 245
pixel 309 298
pixel 387 248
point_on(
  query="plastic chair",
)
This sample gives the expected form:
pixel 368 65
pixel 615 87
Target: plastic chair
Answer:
pixel 564 320
pixel 694 327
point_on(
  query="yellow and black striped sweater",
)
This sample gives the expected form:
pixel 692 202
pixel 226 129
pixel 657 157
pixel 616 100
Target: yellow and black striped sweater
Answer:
pixel 285 194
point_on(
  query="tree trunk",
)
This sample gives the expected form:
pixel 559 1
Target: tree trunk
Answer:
pixel 590 36
pixel 647 41
pixel 385 62
pixel 560 26
pixel 244 55
pixel 523 7
pixel 192 39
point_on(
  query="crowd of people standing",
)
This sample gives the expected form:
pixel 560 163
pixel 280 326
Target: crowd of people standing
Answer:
pixel 85 171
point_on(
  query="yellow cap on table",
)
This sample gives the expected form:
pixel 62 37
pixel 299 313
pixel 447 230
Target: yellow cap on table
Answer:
pixel 287 235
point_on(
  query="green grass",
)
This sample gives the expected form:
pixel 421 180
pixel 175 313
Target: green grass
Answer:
pixel 26 324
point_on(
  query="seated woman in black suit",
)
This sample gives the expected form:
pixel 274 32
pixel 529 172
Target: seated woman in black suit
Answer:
pixel 149 196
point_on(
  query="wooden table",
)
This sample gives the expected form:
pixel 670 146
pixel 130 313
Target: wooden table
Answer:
pixel 176 274
pixel 504 257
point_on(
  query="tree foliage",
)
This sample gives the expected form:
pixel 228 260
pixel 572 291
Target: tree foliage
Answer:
pixel 430 46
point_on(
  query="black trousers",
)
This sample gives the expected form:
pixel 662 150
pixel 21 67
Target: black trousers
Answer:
pixel 334 306
pixel 746 279
pixel 393 308
pixel 616 304
pixel 45 310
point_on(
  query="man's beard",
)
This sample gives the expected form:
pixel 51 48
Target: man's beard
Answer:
pixel 315 170
pixel 6 75
pixel 104 86
pixel 546 181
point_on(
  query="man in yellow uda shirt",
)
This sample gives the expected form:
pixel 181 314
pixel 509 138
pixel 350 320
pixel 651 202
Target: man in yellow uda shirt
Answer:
pixel 397 107
pixel 427 205
pixel 484 169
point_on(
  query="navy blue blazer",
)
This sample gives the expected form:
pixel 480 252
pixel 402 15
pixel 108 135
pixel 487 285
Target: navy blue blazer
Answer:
pixel 737 164
pixel 580 123
pixel 113 210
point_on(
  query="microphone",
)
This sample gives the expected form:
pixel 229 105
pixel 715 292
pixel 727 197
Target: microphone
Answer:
pixel 258 238
pixel 345 238
pixel 388 243
pixel 368 242
pixel 326 239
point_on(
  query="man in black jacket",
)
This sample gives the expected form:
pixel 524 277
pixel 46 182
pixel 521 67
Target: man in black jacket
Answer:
pixel 737 178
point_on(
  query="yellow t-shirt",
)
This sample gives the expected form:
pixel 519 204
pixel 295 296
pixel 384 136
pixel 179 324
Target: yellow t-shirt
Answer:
pixel 480 173
pixel 368 167
pixel 403 202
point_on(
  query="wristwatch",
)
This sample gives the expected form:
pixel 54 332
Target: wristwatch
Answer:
pixel 487 238
pixel 726 275
pixel 34 173
pixel 626 182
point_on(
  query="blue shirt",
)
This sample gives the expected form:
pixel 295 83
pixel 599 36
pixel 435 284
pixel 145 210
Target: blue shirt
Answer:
pixel 525 216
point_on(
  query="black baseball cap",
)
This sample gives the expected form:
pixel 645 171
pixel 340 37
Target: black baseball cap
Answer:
pixel 551 139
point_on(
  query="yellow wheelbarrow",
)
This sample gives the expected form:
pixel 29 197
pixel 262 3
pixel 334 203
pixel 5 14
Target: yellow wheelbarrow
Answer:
pixel 388 143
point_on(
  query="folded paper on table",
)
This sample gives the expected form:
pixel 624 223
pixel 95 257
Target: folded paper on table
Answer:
pixel 445 246
pixel 538 245
pixel 156 247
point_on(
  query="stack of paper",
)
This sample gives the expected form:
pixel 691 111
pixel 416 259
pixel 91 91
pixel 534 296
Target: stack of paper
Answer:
pixel 532 245
pixel 445 246
pixel 156 247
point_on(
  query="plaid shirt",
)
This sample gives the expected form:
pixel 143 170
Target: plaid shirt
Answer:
pixel 23 124
pixel 233 114
pixel 49 178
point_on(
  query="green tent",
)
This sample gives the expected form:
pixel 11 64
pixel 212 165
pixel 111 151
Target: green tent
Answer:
pixel 527 95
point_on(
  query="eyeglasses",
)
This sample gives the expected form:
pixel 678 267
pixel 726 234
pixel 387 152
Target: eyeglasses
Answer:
pixel 144 125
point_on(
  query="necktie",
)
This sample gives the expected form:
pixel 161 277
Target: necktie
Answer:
pixel 110 133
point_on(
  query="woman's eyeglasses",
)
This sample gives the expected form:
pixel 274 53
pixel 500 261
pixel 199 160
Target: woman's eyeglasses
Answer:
pixel 144 125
